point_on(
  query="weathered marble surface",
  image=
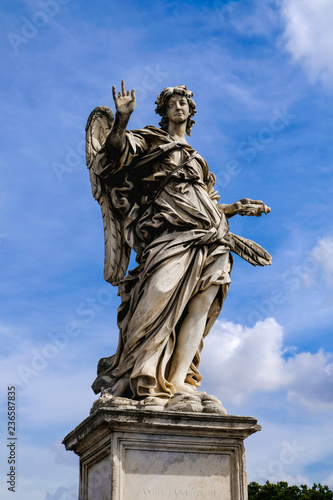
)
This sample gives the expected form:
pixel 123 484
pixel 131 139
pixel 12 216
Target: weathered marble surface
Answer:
pixel 157 198
pixel 197 402
pixel 135 454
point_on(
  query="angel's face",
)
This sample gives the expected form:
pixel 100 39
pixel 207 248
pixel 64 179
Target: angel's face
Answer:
pixel 177 109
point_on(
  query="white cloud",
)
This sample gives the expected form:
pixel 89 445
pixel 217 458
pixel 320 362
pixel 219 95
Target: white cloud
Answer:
pixel 245 360
pixel 63 493
pixel 329 481
pixel 54 400
pixel 240 361
pixel 259 20
pixel 285 451
pixel 51 390
pixel 309 36
pixel 312 380
pixel 68 401
pixel 38 472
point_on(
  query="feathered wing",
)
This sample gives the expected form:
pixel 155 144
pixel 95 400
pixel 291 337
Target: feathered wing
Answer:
pixel 117 252
pixel 251 251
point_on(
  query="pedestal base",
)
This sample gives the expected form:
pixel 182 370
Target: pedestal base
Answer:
pixel 140 455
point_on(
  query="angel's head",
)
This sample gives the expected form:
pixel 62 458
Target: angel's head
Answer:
pixel 162 103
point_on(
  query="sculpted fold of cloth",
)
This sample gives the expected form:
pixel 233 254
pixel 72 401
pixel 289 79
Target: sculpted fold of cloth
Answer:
pixel 157 198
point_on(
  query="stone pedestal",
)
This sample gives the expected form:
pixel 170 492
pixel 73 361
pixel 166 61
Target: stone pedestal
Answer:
pixel 132 454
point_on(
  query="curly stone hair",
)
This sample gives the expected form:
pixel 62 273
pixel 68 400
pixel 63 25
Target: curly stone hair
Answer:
pixel 162 101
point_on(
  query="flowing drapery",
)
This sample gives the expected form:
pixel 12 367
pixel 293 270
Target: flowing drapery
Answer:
pixel 179 234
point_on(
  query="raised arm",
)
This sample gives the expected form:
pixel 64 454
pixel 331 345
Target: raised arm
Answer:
pixel 125 104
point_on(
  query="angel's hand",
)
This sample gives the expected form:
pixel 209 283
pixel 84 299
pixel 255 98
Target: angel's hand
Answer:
pixel 245 206
pixel 125 101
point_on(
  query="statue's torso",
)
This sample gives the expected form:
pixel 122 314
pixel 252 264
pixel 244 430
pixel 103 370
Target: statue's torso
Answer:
pixel 166 198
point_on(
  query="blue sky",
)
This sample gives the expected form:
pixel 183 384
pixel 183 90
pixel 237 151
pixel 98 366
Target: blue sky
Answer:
pixel 262 77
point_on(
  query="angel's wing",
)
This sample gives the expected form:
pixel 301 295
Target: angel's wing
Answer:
pixel 117 252
pixel 251 251
pixel 99 124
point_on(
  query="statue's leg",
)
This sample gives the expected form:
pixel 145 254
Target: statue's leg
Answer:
pixel 189 337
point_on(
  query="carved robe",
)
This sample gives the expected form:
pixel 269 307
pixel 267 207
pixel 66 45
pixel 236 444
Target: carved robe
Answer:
pixel 171 219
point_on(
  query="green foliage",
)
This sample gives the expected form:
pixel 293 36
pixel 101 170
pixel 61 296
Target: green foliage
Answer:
pixel 282 491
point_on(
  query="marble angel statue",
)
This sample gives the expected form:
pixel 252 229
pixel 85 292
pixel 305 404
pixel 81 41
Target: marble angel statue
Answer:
pixel 157 198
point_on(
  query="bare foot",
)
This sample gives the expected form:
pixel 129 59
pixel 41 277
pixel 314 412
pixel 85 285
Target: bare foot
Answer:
pixel 183 387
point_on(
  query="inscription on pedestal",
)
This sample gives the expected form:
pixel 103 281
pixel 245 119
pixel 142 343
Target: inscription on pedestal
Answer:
pixel 180 493
pixel 172 474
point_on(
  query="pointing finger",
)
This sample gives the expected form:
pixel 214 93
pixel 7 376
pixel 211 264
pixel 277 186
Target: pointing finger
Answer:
pixel 114 93
pixel 123 87
pixel 257 202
